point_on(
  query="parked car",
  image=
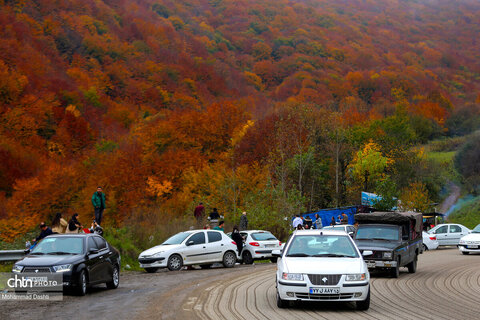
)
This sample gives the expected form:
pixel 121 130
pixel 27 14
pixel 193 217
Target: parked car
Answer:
pixel 348 228
pixel 193 247
pixel 258 244
pixel 322 265
pixel 470 242
pixel 449 234
pixel 394 238
pixel 429 241
pixel 83 259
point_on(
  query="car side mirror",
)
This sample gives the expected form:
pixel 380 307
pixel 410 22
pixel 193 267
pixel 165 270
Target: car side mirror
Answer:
pixel 190 243
pixel 277 253
pixel 26 251
pixel 367 253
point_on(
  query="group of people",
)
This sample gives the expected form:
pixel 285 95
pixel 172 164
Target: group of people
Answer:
pixel 215 216
pixel 302 223
pixel 60 225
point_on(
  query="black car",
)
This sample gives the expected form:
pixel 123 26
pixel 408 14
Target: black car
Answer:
pixel 83 259
pixel 394 238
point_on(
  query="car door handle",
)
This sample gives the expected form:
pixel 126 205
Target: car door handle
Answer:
pixel 204 247
pixel 222 244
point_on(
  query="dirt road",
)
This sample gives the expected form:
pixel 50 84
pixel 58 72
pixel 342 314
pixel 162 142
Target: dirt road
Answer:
pixel 446 286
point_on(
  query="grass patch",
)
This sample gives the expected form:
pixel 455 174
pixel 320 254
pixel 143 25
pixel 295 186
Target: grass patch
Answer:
pixel 19 243
pixel 468 214
pixel 444 162
pixel 6 266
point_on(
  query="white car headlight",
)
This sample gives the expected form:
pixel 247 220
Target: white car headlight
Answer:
pixel 292 276
pixel 17 269
pixel 355 277
pixel 387 255
pixel 62 268
pixel 158 254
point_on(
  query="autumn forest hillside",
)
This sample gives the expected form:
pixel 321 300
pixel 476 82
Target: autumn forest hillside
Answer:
pixel 270 106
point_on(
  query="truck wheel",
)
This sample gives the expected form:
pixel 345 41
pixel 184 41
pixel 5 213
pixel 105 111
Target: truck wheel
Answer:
pixel 395 272
pixel 412 266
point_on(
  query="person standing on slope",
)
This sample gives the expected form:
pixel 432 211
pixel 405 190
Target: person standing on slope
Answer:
pixel 98 202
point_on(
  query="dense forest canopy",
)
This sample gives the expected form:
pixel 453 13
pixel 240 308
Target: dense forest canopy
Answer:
pixel 271 106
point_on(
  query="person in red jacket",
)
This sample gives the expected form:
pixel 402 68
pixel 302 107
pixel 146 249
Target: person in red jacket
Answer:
pixel 198 213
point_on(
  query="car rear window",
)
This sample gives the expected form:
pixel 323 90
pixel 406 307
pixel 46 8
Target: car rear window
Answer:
pixel 262 236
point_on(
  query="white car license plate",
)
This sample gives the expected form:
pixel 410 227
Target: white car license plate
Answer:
pixel 472 247
pixel 269 245
pixel 370 264
pixel 325 290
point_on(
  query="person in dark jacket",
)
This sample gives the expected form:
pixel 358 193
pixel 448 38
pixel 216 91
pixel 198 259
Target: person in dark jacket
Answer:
pixel 46 231
pixel 244 221
pixel 214 215
pixel 237 237
pixel 98 202
pixel 74 225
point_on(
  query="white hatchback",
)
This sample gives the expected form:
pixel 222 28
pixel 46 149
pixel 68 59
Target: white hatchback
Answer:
pixel 193 247
pixel 318 265
pixel 470 242
pixel 449 234
pixel 259 244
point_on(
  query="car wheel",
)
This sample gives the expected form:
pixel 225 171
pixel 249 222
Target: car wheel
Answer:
pixel 425 248
pixel 247 257
pixel 206 266
pixel 113 284
pixel 412 266
pixel 365 304
pixel 82 284
pixel 281 303
pixel 229 259
pixel 175 262
pixel 274 260
pixel 465 252
pixel 151 270
pixel 395 272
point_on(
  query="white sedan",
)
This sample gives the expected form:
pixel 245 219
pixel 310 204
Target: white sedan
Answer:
pixel 429 241
pixel 449 234
pixel 318 265
pixel 193 247
pixel 470 242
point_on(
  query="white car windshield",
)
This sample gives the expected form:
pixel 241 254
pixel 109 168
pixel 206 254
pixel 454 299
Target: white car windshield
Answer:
pixel 476 229
pixel 322 246
pixel 177 239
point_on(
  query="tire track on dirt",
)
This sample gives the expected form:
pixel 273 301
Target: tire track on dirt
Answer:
pixel 446 286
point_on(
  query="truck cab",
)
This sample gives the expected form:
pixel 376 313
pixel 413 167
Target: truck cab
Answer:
pixel 394 238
